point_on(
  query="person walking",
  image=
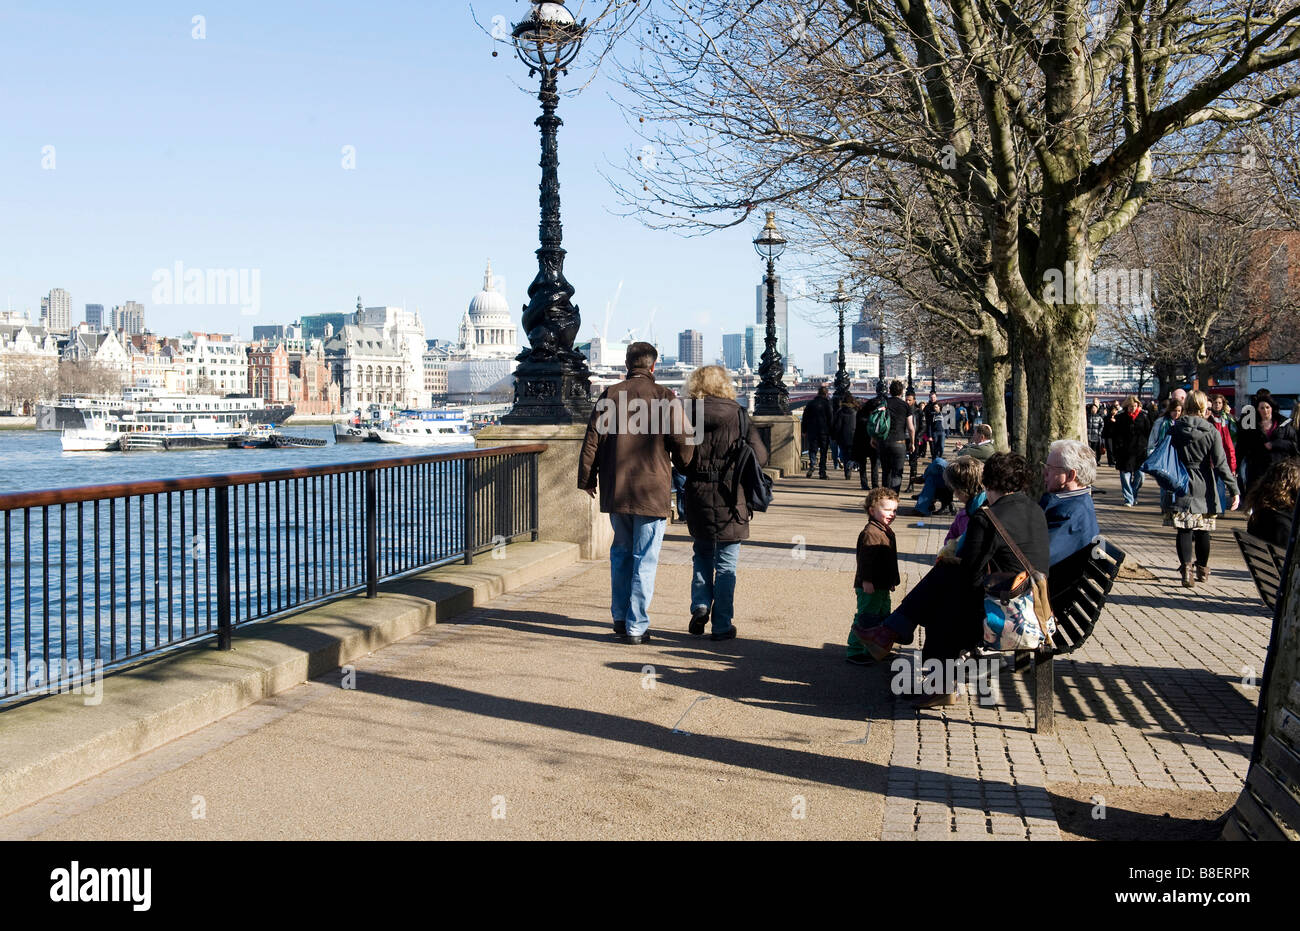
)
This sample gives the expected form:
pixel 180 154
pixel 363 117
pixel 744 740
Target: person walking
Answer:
pixel 817 417
pixel 900 440
pixel 636 434
pixel 935 428
pixel 717 515
pixel 1109 411
pixel 1096 422
pixel 917 444
pixel 844 429
pixel 1129 434
pixel 1200 449
pixel 1220 422
pixel 864 447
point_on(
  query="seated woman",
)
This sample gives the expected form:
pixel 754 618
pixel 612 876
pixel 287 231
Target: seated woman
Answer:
pixel 949 601
pixel 963 476
pixel 1272 503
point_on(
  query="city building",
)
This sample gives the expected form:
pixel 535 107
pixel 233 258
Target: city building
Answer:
pixel 368 368
pixel 756 342
pixel 733 351
pixel 157 365
pixel 215 363
pixel 128 318
pixel 268 373
pixel 690 348
pixel 481 367
pixel 29 367
pixel 312 390
pixel 324 326
pixel 405 330
pixel 857 364
pixel 435 372
pixel 56 311
pixel 782 323
pixel 103 349
pixel 865 334
pixel 95 317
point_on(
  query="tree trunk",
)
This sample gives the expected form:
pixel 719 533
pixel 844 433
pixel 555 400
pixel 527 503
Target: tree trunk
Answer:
pixel 991 362
pixel 1019 419
pixel 1054 357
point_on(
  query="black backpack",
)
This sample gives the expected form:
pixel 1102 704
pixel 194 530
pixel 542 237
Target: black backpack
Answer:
pixel 744 475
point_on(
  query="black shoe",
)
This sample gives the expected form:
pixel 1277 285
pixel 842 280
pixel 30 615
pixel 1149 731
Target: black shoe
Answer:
pixel 634 639
pixel 728 634
pixel 620 631
pixel 698 620
pixel 860 659
pixel 823 475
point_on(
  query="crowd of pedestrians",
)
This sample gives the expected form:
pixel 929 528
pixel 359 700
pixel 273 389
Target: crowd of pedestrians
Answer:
pixel 701 446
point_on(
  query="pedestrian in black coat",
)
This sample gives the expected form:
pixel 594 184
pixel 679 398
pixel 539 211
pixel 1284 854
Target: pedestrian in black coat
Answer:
pixel 817 417
pixel 844 430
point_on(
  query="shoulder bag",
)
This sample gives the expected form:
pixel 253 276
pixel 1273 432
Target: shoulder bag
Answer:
pixel 1017 612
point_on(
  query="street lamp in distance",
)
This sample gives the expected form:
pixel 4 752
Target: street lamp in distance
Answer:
pixel 771 396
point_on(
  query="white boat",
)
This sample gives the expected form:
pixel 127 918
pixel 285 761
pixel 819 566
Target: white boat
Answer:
pixel 426 428
pixel 152 431
pixel 70 411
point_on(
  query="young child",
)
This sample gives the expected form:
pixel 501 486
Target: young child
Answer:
pixel 877 573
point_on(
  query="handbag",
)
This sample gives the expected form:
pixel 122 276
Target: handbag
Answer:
pixel 1166 467
pixel 1017 611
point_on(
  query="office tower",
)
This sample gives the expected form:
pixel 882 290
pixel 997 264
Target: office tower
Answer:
pixel 690 348
pixel 733 350
pixel 95 317
pixel 128 318
pixel 56 311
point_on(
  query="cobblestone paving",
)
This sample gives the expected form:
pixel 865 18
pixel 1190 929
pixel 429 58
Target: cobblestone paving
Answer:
pixel 1161 696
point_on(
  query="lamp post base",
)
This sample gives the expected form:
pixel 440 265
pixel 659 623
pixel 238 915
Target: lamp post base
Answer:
pixel 550 393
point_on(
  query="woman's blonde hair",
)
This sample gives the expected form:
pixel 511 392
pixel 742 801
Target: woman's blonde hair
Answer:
pixel 1197 404
pixel 1132 401
pixel 710 381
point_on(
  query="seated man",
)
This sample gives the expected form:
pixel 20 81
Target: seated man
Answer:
pixel 1068 475
pixel 981 445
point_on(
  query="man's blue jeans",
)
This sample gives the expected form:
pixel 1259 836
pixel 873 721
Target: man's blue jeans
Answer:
pixel 713 584
pixel 1130 483
pixel 633 559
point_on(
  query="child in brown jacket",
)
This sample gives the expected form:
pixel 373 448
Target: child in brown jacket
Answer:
pixel 877 573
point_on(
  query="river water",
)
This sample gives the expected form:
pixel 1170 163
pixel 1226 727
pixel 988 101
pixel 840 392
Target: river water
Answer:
pixel 114 579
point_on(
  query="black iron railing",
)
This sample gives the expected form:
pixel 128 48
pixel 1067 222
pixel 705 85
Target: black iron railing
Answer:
pixel 100 575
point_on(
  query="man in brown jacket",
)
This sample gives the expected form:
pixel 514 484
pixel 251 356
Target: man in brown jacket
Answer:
pixel 637 431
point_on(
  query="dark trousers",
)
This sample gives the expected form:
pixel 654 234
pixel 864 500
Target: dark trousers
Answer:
pixel 949 608
pixel 816 445
pixel 936 446
pixel 872 463
pixel 893 459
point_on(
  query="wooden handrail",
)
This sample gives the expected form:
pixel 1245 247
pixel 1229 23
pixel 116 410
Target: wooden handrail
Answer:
pixel 53 496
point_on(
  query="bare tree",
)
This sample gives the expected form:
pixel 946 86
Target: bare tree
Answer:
pixel 1004 142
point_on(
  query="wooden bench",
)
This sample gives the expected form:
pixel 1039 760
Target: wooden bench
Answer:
pixel 1266 563
pixel 1079 585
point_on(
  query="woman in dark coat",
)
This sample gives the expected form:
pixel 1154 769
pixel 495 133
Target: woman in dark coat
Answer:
pixel 842 430
pixel 949 599
pixel 716 523
pixel 1129 438
pixel 1270 440
pixel 1272 503
pixel 1200 448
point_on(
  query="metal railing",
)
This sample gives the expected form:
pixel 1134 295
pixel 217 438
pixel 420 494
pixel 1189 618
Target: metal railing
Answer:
pixel 104 574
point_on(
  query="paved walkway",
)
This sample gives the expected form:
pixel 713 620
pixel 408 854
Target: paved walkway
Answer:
pixel 524 719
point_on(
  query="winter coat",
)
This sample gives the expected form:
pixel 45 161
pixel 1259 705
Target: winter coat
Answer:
pixel 1257 457
pixel 1200 448
pixel 1271 526
pixel 1129 438
pixel 817 418
pixel 877 558
pixel 984 549
pixel 635 428
pixel 1228 449
pixel 845 426
pixel 708 515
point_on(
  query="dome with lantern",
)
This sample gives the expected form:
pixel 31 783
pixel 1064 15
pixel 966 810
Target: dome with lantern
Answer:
pixel 488 329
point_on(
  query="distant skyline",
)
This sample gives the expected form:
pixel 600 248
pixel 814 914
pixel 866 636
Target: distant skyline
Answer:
pixel 135 146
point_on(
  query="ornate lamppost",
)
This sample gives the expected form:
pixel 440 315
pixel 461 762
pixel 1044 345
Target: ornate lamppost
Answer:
pixel 842 382
pixel 771 396
pixel 552 381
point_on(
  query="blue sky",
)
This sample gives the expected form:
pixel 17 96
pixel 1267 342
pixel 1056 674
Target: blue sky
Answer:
pixel 227 152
